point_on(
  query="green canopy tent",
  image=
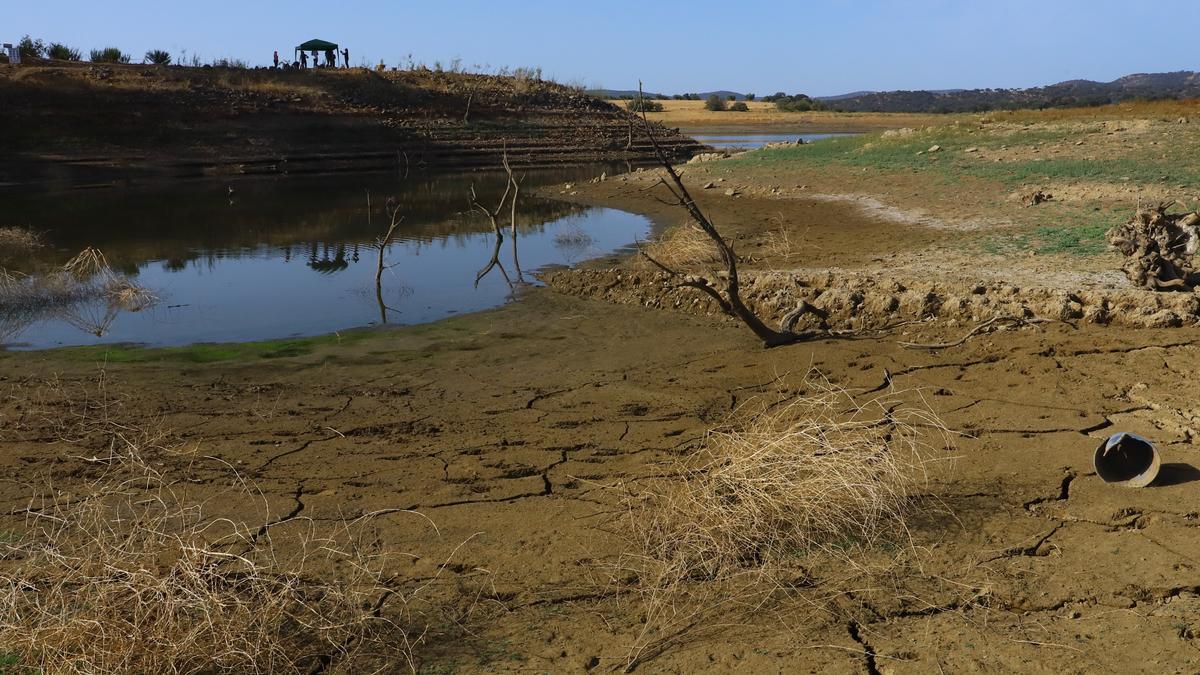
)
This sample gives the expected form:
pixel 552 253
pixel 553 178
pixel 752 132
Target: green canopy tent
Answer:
pixel 315 46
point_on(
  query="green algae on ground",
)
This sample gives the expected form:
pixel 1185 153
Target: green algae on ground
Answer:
pixel 211 352
pixel 451 334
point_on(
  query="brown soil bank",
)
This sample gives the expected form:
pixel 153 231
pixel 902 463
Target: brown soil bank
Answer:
pixel 864 301
pixel 83 122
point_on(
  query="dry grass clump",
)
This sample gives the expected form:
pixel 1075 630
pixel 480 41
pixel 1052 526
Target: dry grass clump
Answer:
pixel 685 248
pixel 135 573
pixel 811 473
pixel 15 241
pixel 805 482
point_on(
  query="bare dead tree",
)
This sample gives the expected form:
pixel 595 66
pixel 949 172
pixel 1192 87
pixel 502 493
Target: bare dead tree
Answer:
pixel 516 186
pixel 381 244
pixel 726 291
pixel 512 189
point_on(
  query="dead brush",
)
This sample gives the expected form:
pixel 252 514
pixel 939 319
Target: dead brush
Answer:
pixel 819 481
pixel 684 247
pixel 18 241
pixel 133 572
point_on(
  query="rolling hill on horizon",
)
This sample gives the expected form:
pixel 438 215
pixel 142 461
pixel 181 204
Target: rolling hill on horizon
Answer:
pixel 1080 92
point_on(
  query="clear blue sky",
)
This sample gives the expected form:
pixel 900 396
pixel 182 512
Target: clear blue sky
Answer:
pixel 816 47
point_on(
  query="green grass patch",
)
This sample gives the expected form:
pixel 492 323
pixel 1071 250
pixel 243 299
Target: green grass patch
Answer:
pixel 1137 165
pixel 1057 228
pixel 1072 240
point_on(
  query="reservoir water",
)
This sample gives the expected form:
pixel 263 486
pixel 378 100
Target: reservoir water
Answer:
pixel 263 259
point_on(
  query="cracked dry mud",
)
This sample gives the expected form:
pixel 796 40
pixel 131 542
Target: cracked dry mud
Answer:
pixel 504 430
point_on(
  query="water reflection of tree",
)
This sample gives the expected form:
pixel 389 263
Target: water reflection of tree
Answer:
pixel 325 264
pixel 273 214
pixel 573 243
pixel 86 293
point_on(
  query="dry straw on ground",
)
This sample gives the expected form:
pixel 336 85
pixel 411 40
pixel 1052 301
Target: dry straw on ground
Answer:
pixel 685 248
pixel 18 241
pixel 805 480
pixel 135 571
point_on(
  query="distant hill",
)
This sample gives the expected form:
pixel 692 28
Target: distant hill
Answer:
pixel 1176 85
pixel 632 93
pixel 723 94
pixel 839 97
pixel 610 94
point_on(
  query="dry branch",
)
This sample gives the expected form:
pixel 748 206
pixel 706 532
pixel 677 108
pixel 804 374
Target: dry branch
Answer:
pixel 985 327
pixel 382 245
pixel 728 293
pixel 512 187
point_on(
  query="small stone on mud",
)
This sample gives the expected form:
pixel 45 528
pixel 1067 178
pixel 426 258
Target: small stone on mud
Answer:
pixel 731 192
pixel 972 149
pixel 709 185
pixel 935 148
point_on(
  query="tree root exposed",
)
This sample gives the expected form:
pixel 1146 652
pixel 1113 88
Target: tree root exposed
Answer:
pixel 1159 248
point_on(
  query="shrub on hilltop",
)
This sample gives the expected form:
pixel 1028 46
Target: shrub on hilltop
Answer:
pixel 108 55
pixel 58 50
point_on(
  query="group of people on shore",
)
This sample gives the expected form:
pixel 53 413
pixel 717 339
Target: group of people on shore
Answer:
pixel 331 60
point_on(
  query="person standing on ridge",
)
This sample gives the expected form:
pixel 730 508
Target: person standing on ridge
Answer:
pixel 303 60
pixel 346 56
pixel 276 57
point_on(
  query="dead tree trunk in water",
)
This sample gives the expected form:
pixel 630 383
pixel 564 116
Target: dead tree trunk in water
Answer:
pixel 512 187
pixel 382 244
pixel 728 294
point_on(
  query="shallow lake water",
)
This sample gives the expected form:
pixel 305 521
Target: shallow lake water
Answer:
pixel 749 141
pixel 297 256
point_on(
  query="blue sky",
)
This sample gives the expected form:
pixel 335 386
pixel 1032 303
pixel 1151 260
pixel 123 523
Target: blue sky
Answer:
pixel 818 47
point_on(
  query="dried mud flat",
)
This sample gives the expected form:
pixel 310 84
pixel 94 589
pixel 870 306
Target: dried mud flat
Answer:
pixel 494 450
pixel 505 428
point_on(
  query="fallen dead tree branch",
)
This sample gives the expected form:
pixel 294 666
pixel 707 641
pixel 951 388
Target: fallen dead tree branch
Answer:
pixel 985 327
pixel 727 291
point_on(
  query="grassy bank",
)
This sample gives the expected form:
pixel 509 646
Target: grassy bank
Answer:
pixel 1095 165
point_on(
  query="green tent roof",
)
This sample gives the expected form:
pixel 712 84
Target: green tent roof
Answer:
pixel 317 45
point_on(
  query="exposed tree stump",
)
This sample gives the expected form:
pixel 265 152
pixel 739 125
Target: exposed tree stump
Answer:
pixel 1159 248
